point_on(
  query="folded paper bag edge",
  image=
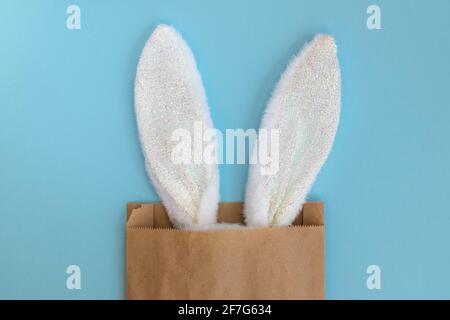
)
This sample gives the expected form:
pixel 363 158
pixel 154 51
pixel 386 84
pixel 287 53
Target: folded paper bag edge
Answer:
pixel 153 214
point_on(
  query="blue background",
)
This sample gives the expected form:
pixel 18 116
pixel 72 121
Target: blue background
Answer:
pixel 70 158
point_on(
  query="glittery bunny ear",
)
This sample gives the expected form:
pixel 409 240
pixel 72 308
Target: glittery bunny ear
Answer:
pixel 172 114
pixel 304 111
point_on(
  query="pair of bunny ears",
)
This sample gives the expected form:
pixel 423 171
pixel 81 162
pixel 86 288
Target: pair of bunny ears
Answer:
pixel 304 107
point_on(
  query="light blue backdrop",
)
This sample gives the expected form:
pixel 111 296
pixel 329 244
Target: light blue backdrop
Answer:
pixel 70 158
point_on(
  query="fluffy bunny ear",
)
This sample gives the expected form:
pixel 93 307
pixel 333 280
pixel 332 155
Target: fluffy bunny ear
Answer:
pixel 305 109
pixel 170 105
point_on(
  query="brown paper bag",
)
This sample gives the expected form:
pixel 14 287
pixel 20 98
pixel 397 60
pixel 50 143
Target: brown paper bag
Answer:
pixel 258 263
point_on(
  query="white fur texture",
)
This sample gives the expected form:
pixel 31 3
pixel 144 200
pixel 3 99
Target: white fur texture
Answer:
pixel 169 95
pixel 305 107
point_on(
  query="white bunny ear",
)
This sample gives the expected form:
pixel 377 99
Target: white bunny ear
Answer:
pixel 305 109
pixel 170 102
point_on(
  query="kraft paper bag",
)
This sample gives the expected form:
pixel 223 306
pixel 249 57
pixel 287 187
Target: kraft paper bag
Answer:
pixel 258 263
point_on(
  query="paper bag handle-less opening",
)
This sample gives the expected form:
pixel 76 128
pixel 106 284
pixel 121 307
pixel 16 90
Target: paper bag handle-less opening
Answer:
pixel 257 263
